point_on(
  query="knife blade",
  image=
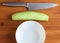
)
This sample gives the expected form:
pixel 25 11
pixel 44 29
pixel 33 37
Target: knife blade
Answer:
pixel 31 6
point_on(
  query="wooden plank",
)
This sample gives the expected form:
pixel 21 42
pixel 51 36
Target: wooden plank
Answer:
pixel 8 27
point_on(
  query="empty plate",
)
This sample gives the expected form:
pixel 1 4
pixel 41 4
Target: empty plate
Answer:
pixel 30 32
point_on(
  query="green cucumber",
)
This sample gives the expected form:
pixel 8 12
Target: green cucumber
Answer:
pixel 30 15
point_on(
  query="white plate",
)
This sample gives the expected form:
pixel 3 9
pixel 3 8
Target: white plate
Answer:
pixel 30 32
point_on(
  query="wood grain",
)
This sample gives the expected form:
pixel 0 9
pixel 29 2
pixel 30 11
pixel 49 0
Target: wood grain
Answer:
pixel 8 27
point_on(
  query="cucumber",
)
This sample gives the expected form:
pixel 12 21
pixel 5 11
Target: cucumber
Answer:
pixel 30 15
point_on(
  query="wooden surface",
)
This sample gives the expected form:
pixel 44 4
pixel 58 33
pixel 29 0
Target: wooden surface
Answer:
pixel 8 27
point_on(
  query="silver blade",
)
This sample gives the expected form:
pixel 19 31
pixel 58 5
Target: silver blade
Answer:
pixel 36 6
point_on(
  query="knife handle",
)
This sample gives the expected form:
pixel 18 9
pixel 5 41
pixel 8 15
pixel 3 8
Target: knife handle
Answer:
pixel 14 4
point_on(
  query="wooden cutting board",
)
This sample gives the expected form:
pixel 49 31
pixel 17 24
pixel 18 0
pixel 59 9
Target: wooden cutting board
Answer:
pixel 8 27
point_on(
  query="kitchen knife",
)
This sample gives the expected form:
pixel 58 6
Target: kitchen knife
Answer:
pixel 31 6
